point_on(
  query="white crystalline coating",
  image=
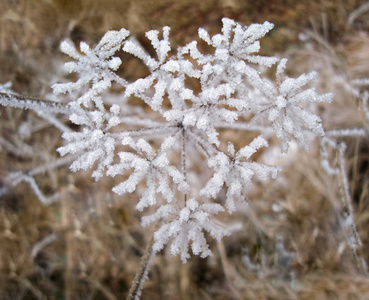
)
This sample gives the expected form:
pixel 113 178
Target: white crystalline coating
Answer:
pixel 161 161
pixel 114 63
pixel 190 118
pixel 280 69
pixel 227 27
pixel 176 84
pixel 144 146
pixel 115 109
pixel 230 149
pixel 160 88
pixel 186 227
pixel 68 48
pixel 192 204
pixel 168 142
pixel 7 88
pixel 203 34
pixel 186 94
pixel 154 168
pixel 281 102
pixel 290 84
pixel 255 47
pixel 187 99
pixel 111 42
pixel 236 173
pixel 84 48
pixel 95 66
pixel 184 214
pixel 136 49
pixel 203 122
pixel 221 164
pixel 171 66
pixel 138 86
pixel 284 107
pixel 250 149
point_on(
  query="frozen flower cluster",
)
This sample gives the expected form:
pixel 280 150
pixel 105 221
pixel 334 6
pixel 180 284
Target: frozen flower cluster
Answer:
pixel 154 148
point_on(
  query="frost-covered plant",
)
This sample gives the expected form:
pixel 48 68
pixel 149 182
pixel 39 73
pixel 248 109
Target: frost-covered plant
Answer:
pixel 185 121
pixel 160 141
pixel 233 92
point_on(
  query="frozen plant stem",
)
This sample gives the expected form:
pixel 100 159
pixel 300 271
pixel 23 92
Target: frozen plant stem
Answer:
pixel 183 159
pixel 142 274
pixel 339 171
pixel 18 101
pixel 354 240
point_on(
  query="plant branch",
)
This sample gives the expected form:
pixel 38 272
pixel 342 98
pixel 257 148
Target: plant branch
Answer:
pixel 18 101
pixel 142 274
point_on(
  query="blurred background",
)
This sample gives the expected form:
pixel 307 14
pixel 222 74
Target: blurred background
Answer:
pixel 88 244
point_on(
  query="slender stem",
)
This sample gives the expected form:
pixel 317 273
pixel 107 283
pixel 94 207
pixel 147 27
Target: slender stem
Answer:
pixel 354 240
pixel 160 130
pixel 183 158
pixel 18 101
pixel 142 274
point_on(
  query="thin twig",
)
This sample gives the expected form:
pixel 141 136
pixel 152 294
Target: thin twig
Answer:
pixel 142 274
pixel 183 159
pixel 160 130
pixel 357 13
pixel 18 101
pixel 353 237
pixel 42 244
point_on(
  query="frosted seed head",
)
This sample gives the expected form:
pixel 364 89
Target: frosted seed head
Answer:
pixel 171 66
pixel 230 149
pixel 187 94
pixel 227 86
pixel 114 63
pixel 217 40
pixel 204 35
pixel 184 215
pixel 281 102
pixel 127 140
pixel 192 204
pixel 280 69
pixel 84 48
pixel 115 109
pixel 222 54
pixel 189 119
pixel 68 48
pixel 203 122
pixel 144 146
pixel 167 143
pixel 152 35
pixel 112 41
pixel 166 30
pixel 161 161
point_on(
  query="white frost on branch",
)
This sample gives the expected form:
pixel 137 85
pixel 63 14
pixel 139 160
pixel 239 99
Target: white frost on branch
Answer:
pixel 233 171
pixel 283 105
pixel 93 143
pixel 186 97
pixel 93 65
pixel 186 226
pixel 155 167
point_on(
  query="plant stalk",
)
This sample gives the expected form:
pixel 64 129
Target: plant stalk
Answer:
pixel 142 273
